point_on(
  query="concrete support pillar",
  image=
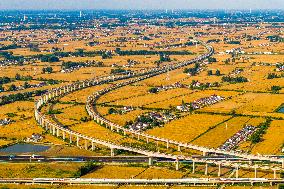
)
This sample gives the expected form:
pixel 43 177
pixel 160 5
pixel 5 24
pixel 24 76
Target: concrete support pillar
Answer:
pixel 206 169
pixel 282 163
pixel 168 144
pixel 204 153
pixel 70 138
pixel 274 174
pixel 63 135
pixel 150 161
pixel 50 129
pixel 112 152
pixel 78 141
pixel 138 136
pixel 147 140
pixel 86 144
pixel 177 164
pixel 237 171
pixel 219 170
pixel 193 167
pixel 57 132
pixel 53 130
pixel 111 128
pixel 179 148
pixel 255 172
pixel 93 146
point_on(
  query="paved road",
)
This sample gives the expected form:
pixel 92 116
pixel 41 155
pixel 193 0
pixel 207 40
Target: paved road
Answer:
pixel 187 181
pixel 104 159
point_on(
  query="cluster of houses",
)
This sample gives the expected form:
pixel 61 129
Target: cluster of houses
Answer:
pixel 36 137
pixel 202 102
pixel 239 137
pixel 168 87
pixel 5 121
pixel 77 66
pixel 280 67
pixel 150 120
pixel 197 85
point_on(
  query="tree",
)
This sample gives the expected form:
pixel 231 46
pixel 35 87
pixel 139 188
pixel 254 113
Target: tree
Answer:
pixel 1 88
pixel 112 111
pixel 218 73
pixel 18 77
pixel 47 70
pixel 26 85
pixel 275 89
pixel 209 72
pixel 53 59
pixel 12 87
pixel 153 90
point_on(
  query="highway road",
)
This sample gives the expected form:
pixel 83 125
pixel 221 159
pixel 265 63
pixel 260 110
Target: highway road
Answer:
pixel 104 159
pixel 186 181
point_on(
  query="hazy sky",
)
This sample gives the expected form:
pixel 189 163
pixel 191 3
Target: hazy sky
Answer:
pixel 141 4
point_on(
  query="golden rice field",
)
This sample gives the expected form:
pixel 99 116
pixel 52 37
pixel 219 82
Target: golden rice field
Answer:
pixel 189 97
pixel 217 136
pixel 115 171
pixel 92 129
pixel 152 98
pixel 130 91
pixel 38 170
pixel 250 104
pixel 273 139
pixel 158 173
pixel 187 128
pixel 82 95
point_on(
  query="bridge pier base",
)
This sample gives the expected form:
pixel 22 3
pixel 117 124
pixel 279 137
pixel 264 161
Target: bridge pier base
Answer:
pixel 193 167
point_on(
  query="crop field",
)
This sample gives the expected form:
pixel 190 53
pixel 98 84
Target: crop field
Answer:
pixel 39 170
pixel 188 97
pixel 188 128
pixel 246 68
pixel 218 135
pixel 272 141
pixel 255 104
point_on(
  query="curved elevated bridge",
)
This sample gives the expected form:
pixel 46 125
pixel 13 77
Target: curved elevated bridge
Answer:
pixel 90 142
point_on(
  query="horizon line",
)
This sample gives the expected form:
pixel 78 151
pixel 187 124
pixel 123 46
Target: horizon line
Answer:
pixel 146 9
